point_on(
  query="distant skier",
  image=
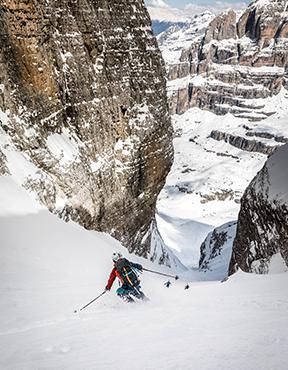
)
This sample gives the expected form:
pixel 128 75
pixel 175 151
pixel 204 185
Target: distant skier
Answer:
pixel 167 284
pixel 126 272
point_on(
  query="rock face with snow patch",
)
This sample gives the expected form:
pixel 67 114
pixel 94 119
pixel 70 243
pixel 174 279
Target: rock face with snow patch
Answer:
pixel 3 166
pixel 216 250
pixel 250 145
pixel 83 100
pixel 233 62
pixel 262 230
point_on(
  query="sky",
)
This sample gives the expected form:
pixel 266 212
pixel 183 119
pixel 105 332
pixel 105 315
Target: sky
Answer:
pixel 179 10
pixel 183 3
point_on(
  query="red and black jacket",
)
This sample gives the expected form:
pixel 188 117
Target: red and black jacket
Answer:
pixel 115 273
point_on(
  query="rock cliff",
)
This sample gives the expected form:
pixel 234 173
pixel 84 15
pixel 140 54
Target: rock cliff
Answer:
pixel 262 231
pixel 216 251
pixel 243 143
pixel 83 100
pixel 236 60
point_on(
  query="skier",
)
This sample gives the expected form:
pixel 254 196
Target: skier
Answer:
pixel 167 284
pixel 125 271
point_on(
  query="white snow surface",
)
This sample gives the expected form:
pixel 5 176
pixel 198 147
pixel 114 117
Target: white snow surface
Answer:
pixel 49 268
pixel 184 236
pixel 277 264
pixel 63 147
pixel 15 200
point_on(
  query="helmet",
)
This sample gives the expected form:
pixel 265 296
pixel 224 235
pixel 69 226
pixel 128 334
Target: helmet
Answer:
pixel 116 256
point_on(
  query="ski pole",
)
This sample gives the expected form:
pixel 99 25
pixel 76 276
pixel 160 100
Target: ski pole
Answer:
pixel 93 300
pixel 176 277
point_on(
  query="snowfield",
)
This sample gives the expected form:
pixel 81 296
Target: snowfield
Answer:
pixel 49 268
pixel 208 177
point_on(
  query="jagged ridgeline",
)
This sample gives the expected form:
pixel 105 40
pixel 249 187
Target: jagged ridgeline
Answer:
pixel 234 61
pixel 83 100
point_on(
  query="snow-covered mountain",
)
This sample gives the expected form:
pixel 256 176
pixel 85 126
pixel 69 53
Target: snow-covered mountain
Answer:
pixel 236 59
pixel 161 26
pixel 217 156
pixel 180 36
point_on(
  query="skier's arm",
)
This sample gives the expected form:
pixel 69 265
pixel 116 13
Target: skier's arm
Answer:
pixel 111 279
pixel 136 266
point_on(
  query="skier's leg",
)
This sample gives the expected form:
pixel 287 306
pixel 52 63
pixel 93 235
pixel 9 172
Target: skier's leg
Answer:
pixel 136 292
pixel 124 294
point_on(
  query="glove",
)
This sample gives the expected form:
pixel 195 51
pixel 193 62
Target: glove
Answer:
pixel 139 268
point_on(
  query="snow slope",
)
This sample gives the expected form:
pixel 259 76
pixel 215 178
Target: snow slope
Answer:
pixel 205 184
pixel 19 201
pixel 49 268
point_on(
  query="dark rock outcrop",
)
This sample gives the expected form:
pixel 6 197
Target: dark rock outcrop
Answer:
pixel 262 21
pixel 83 89
pixel 262 230
pixel 3 167
pixel 216 250
pixel 268 135
pixel 242 143
pixel 222 27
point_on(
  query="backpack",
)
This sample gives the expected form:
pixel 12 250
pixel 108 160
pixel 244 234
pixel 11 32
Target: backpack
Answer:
pixel 127 273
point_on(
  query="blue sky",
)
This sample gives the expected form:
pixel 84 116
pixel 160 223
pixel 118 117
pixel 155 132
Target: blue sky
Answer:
pixel 182 3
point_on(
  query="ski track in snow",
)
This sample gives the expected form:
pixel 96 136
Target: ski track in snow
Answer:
pixel 49 268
